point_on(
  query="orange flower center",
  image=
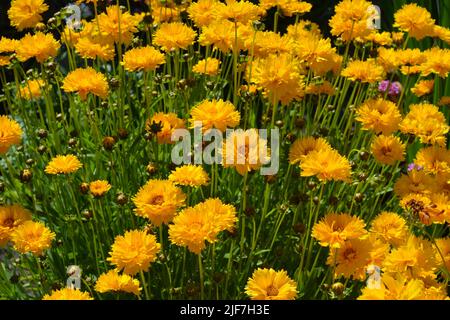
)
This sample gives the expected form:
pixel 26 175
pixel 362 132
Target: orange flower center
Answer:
pixel 157 200
pixel 8 222
pixel 272 291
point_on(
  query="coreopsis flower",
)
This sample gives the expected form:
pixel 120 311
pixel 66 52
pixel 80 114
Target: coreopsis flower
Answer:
pixel 39 45
pixel 326 164
pixel 84 81
pixel 269 284
pixel 279 76
pixel 388 58
pixel 112 281
pixel 189 175
pixel 434 160
pixel 350 19
pixel 415 259
pixel 264 43
pixel 336 228
pixel 11 217
pixel 145 58
pixel 202 12
pixel 410 59
pixel 442 33
pixel 426 122
pixel 158 201
pixel 437 61
pixel 164 124
pixel 119 25
pixel 303 146
pixel 416 182
pixel 165 11
pixel 287 7
pixel 68 294
pixel 388 149
pixel 31 236
pixel 395 287
pixel 415 20
pixel 444 101
pixel 99 188
pixel 245 151
pixel 209 66
pixel 10 133
pixel 25 14
pixel 214 113
pixel 32 89
pixel 174 35
pixel 321 88
pixel 443 245
pixel 380 38
pixel 238 11
pixel 365 71
pixel 7 46
pixel 195 226
pixel 70 37
pixel 134 251
pixel 317 52
pixel 351 258
pixel 221 35
pixel 95 46
pixel 379 115
pixel 63 164
pixel 423 87
pixel 390 228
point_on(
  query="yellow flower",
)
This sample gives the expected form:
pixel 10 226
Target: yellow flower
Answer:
pixel 245 151
pixel 217 114
pixel 326 164
pixel 426 122
pixel 395 287
pixel 32 237
pixel 166 11
pixel 221 35
pixel 365 71
pixel 389 59
pixel 26 13
pixel 203 222
pixel 209 66
pixel 417 182
pixel 350 19
pixel 434 160
pixel 189 175
pixel 174 35
pixel 388 149
pixel 99 187
pixel 303 146
pixel 269 284
pixel 288 7
pixel 63 164
pixel 265 43
pixel 390 227
pixel 158 201
pixel 145 58
pixel 92 47
pixel 335 228
pixel 423 87
pixel 442 33
pixel 437 61
pixel 10 133
pixel 119 25
pixel 444 247
pixel 378 115
pixel 115 282
pixel 415 20
pixel 445 101
pixel 351 258
pixel 280 76
pixel 321 88
pixel 11 217
pixel 202 12
pixel 84 81
pixel 165 123
pixel 415 259
pixel 32 89
pixel 382 39
pixel 134 251
pixel 238 11
pixel 68 294
pixel 7 46
pixel 39 45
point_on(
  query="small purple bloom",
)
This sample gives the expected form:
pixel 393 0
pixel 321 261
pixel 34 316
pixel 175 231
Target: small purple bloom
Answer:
pixel 413 166
pixel 383 86
pixel 394 88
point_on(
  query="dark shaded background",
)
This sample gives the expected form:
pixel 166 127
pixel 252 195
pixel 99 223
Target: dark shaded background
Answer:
pixel 320 14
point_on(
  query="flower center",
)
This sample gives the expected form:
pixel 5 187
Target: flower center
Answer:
pixel 8 222
pixel 157 200
pixel 272 291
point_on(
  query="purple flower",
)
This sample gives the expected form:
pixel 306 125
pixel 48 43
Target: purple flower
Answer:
pixel 383 85
pixel 413 166
pixel 394 88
